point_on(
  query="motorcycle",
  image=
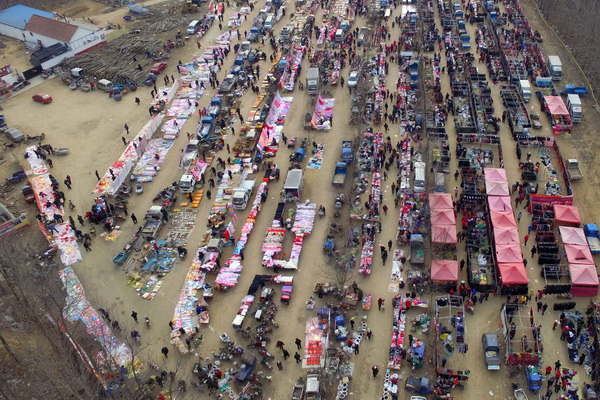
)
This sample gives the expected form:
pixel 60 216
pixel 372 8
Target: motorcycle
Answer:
pixel 265 353
pixel 37 138
pixel 321 211
pixel 264 361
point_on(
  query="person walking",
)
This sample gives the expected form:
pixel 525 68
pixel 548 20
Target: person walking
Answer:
pixel 133 218
pixel 134 315
pixel 390 243
pixel 124 140
pixel 286 354
pixel 352 320
pixel 97 175
pixel 526 238
pixel 86 246
pixel 165 352
pixel 67 183
pixel 375 370
pixel 544 308
pixel 279 365
pixel 519 216
pixel 208 194
pixel 80 219
pixel 126 128
pixel 369 333
pixel 297 357
pixel 380 302
pixel 533 251
pixel 137 101
pixel 298 343
pixel 462 264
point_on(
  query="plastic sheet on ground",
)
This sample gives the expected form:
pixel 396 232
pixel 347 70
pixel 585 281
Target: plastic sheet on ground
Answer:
pixel 79 309
pixel 67 244
pixel 316 160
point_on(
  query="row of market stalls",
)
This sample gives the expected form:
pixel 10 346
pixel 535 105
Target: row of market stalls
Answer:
pixel 511 270
pixel 443 238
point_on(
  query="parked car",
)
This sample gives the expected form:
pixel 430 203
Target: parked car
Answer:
pixel 491 351
pixel 353 79
pixel 43 98
pixel 15 135
pixel 158 67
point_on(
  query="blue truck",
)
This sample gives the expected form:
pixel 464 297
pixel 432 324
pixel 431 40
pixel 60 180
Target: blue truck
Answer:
pixel 347 151
pixel 205 127
pixel 593 237
pixel 339 176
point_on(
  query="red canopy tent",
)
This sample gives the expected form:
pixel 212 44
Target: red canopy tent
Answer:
pixel 503 219
pixel 584 279
pixel 444 270
pixel 571 235
pixel 508 253
pixel 440 201
pixel 499 203
pixel 556 105
pixel 579 254
pixel 445 234
pixel 513 273
pixel 443 217
pixel 506 235
pixel 567 214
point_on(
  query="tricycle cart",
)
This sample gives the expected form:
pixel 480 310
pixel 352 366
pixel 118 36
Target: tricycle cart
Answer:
pixel 520 394
pixel 120 258
pixel 534 379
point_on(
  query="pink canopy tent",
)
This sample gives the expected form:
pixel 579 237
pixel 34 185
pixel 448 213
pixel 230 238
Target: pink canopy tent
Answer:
pixel 499 203
pixel 506 235
pixel 495 182
pixel 440 201
pixel 503 219
pixel 556 105
pixel 443 217
pixel 508 253
pixel 513 273
pixel 445 234
pixel 568 214
pixel 496 188
pixel 571 235
pixel 579 254
pixel 584 279
pixel 495 174
pixel 444 270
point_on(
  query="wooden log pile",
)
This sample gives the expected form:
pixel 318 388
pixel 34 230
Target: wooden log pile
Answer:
pixel 115 61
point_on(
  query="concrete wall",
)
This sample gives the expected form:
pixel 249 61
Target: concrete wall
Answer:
pixel 11 31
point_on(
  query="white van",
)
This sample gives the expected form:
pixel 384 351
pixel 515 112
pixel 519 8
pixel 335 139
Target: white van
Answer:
pixel 525 90
pixel 339 35
pixel 193 27
pixel 269 22
pixel 104 85
pixel 419 181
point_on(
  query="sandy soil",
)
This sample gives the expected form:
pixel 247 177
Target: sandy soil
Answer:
pixel 91 124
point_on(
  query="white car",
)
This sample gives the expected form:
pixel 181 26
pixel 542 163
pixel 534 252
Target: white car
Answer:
pixel 353 79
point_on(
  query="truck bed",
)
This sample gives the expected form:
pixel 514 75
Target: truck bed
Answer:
pixel 594 243
pixel 339 179
pixel 574 173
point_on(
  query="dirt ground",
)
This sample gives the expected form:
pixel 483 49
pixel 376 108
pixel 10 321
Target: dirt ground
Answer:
pixel 91 125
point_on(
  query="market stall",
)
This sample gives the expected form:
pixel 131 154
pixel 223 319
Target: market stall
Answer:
pixel 567 215
pixel 579 254
pixel 499 203
pixel 444 270
pixel 513 277
pixel 440 201
pixel 584 280
pixel 450 341
pixel 506 235
pixel 571 235
pixel 495 182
